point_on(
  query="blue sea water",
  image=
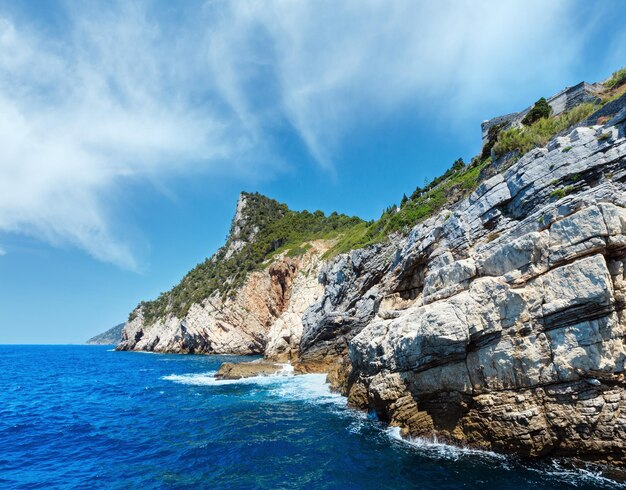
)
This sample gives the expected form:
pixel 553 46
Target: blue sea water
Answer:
pixel 89 417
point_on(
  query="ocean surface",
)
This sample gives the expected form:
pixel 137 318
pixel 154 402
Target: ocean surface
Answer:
pixel 89 417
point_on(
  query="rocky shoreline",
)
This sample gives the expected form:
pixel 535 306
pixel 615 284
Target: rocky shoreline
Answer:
pixel 498 323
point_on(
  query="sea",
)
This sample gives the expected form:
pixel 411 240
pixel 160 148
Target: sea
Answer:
pixel 82 417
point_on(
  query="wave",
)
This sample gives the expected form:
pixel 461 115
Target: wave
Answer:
pixel 313 389
pixel 563 471
pixel 433 447
pixel 194 379
pixel 285 385
pixel 559 471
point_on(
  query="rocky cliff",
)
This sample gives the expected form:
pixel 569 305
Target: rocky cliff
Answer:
pixel 500 323
pixel 263 316
pixel 495 320
pixel 250 296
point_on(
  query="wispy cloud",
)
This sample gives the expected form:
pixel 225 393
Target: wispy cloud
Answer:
pixel 81 114
pixel 337 63
pixel 143 91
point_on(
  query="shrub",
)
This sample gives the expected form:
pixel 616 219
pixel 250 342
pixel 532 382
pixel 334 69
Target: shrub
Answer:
pixel 299 250
pixel 458 164
pixel 522 140
pixel 617 78
pixel 540 110
pixel 562 192
pixel 492 138
pixel 416 193
pixel 566 149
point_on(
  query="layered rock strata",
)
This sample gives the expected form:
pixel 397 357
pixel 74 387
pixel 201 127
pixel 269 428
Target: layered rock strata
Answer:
pixel 500 323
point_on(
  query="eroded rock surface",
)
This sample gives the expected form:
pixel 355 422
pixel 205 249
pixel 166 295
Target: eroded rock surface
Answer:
pixel 263 316
pixel 500 323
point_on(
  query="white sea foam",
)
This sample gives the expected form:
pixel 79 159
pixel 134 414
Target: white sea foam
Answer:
pixel 577 476
pixel 433 447
pixel 194 379
pixel 312 388
pixel 283 384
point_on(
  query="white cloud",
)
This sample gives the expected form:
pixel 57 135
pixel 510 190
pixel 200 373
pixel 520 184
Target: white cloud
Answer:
pixel 338 63
pixel 2 252
pixel 80 116
pixel 129 94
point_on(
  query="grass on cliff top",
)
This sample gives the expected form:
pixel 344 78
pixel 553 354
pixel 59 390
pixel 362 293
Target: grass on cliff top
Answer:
pixel 617 78
pixel 459 181
pixel 279 229
pixel 538 134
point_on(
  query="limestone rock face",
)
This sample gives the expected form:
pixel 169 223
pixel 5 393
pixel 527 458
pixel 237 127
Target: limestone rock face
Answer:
pixel 349 303
pixel 286 332
pixel 499 323
pixel 264 313
pixel 239 235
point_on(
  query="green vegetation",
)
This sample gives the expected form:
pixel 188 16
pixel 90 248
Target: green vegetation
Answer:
pixel 617 78
pixel 492 138
pixel 279 229
pixel 460 180
pixel 299 250
pixel 603 136
pixel 566 149
pixel 522 140
pixel 540 110
pixel 562 192
pixel 457 182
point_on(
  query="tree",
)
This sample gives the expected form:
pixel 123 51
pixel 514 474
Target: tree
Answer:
pixel 404 200
pixel 416 193
pixel 540 110
pixel 458 164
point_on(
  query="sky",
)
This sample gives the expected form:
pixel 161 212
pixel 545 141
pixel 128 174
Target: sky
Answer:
pixel 128 129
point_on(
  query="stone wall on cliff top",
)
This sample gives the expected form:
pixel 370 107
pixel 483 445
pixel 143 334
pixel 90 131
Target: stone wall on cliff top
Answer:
pixel 499 323
pixel 264 316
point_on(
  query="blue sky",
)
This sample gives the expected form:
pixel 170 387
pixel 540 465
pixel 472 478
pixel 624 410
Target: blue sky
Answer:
pixel 128 130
